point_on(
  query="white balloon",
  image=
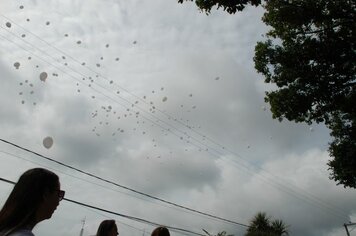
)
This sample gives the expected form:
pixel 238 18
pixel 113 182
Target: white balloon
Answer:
pixel 17 65
pixel 43 76
pixel 47 142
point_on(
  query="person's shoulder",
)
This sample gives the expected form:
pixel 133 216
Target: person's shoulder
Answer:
pixel 22 232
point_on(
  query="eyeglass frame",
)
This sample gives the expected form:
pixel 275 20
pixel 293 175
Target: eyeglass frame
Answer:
pixel 61 194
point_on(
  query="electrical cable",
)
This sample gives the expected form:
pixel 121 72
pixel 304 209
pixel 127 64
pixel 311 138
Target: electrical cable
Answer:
pixel 290 191
pixel 122 186
pixel 105 187
pixel 137 219
pixel 204 136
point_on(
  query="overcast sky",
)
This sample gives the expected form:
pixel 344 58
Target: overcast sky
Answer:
pixel 161 98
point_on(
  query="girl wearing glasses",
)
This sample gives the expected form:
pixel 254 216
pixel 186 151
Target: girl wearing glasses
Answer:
pixel 33 199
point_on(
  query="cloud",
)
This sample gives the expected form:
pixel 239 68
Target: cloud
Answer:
pixel 203 147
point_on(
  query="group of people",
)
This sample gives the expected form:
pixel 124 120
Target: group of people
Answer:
pixel 34 198
pixel 109 228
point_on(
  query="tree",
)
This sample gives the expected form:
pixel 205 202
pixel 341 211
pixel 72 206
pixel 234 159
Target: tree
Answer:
pixel 231 6
pixel 310 55
pixel 222 233
pixel 261 225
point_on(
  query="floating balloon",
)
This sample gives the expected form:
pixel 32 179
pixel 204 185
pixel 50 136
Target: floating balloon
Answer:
pixel 8 24
pixel 17 65
pixel 47 142
pixel 164 99
pixel 43 76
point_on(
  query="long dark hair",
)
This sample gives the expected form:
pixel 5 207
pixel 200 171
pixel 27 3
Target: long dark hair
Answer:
pixel 19 210
pixel 160 231
pixel 105 227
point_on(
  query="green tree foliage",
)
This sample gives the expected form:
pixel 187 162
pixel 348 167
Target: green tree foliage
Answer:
pixel 231 6
pixel 310 55
pixel 222 233
pixel 261 225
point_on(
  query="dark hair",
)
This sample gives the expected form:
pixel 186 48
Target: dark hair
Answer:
pixel 25 199
pixel 160 231
pixel 105 227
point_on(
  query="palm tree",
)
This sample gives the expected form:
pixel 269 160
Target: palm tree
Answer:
pixel 279 227
pixel 261 225
pixel 222 233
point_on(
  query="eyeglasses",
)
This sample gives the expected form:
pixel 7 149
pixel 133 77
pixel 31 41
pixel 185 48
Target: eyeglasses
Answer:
pixel 61 194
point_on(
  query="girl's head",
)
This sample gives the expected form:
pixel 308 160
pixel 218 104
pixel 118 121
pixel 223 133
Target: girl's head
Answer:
pixel 34 198
pixel 160 231
pixel 107 228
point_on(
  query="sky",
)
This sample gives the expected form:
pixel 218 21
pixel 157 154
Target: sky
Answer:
pixel 164 99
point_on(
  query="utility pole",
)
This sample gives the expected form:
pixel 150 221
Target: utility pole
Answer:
pixel 82 230
pixel 347 230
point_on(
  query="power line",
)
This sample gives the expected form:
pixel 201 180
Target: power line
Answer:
pixel 217 153
pixel 283 186
pixel 137 219
pixel 110 98
pixel 147 195
pixel 100 185
pixel 124 187
pixel 107 79
pixel 138 192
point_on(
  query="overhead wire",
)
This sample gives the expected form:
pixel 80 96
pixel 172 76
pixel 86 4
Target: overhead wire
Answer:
pixel 168 202
pixel 217 153
pixel 105 187
pixel 103 94
pixel 122 186
pixel 137 219
pixel 102 76
pixel 290 190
